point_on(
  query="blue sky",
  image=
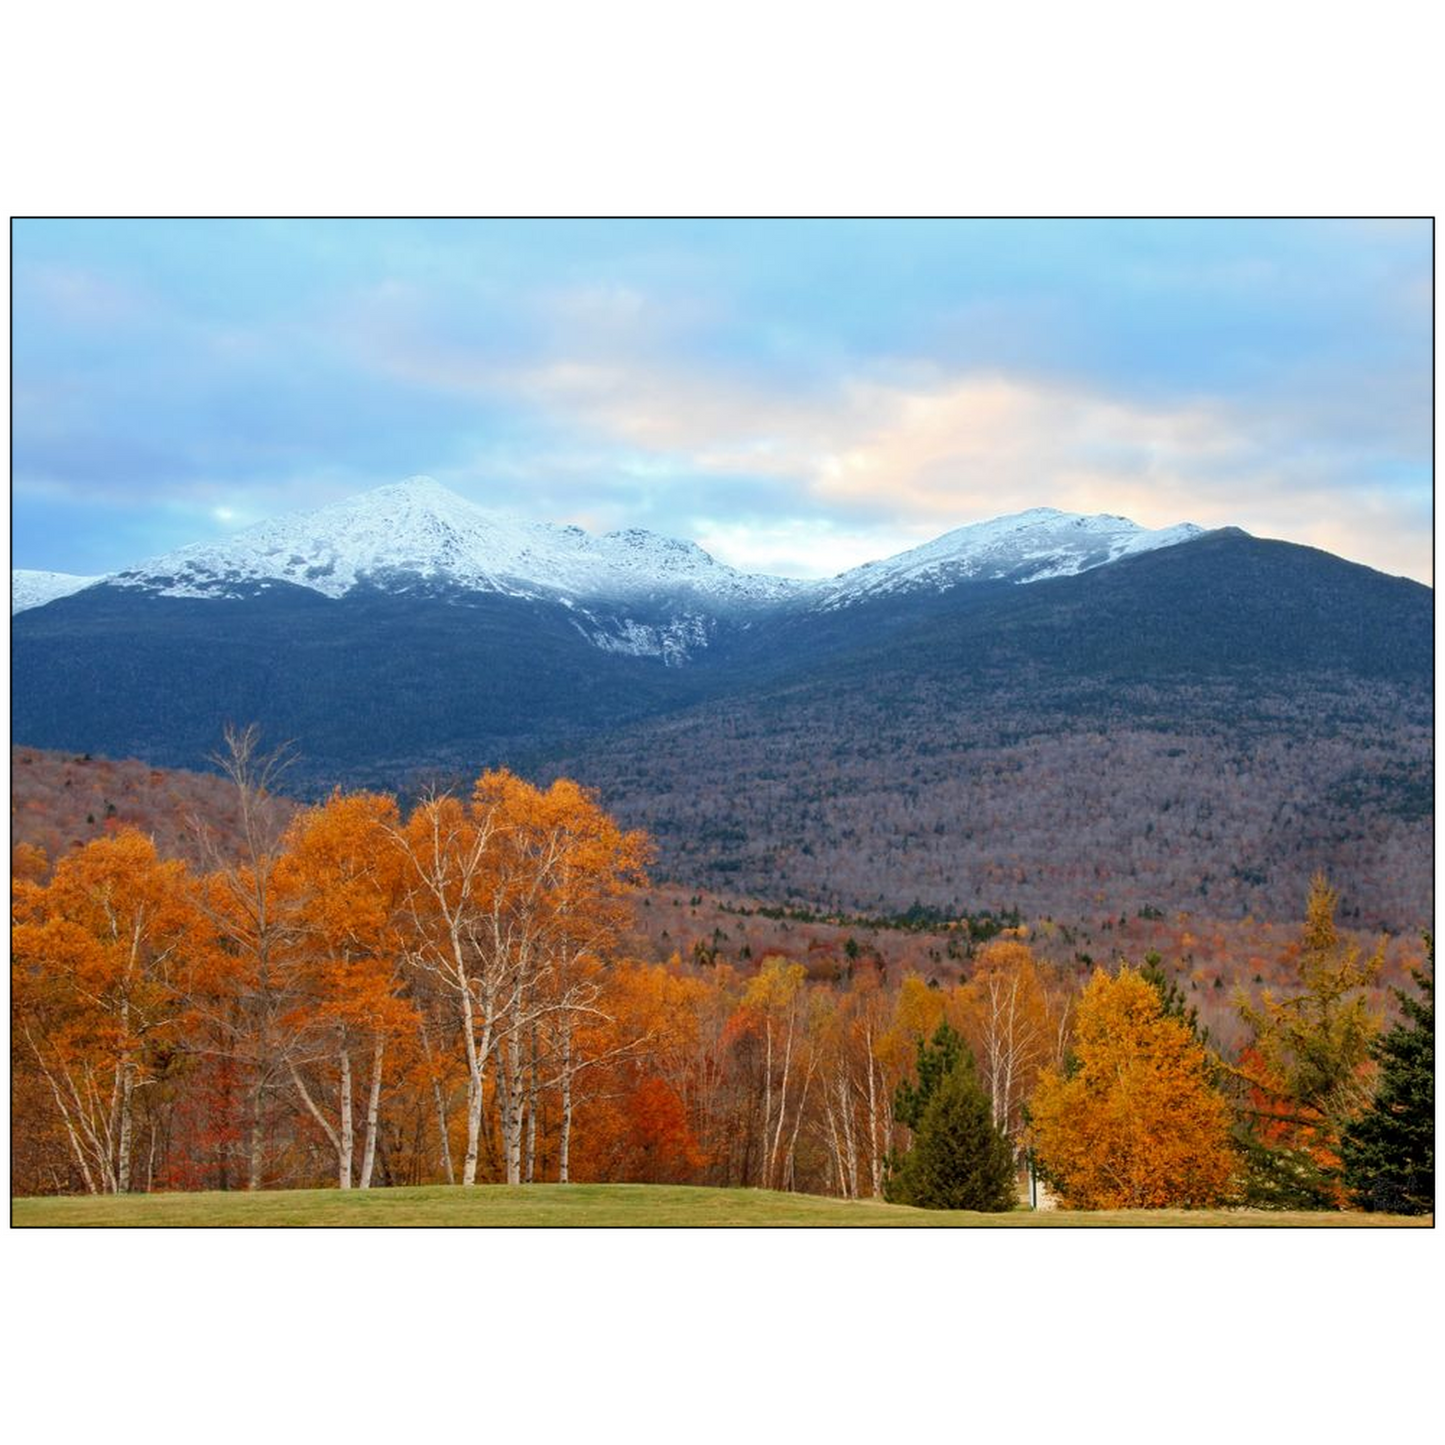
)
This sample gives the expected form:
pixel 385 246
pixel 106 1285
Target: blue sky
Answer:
pixel 796 396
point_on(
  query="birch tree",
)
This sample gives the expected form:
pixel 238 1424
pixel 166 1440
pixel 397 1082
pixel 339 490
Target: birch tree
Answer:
pixel 341 876
pixel 1006 1018
pixel 102 957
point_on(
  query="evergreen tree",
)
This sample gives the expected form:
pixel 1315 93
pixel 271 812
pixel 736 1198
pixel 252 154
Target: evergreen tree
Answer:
pixel 935 1061
pixel 1389 1152
pixel 1171 997
pixel 959 1159
pixel 1305 1075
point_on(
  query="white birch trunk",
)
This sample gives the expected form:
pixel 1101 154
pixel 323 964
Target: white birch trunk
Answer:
pixel 565 1146
pixel 127 1091
pixel 782 1097
pixel 875 1156
pixel 347 1146
pixel 512 1118
pixel 850 1158
pixel 373 1115
pixel 767 1103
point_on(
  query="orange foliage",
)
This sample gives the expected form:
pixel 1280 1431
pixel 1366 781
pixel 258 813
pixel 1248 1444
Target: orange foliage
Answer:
pixel 1138 1125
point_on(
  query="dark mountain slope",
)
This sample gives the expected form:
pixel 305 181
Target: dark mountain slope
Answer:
pixel 1224 605
pixel 369 686
pixel 1215 721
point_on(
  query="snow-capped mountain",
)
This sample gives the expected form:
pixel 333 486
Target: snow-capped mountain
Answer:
pixel 417 531
pixel 1022 547
pixel 35 589
pixel 630 592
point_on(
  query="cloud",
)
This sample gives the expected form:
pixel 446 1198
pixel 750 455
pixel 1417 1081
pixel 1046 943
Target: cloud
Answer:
pixel 924 458
pixel 798 546
pixel 787 391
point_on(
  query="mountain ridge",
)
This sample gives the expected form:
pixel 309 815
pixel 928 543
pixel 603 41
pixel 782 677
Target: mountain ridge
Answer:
pixel 1223 713
pixel 418 532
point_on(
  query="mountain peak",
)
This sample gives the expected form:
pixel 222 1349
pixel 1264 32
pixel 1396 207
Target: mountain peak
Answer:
pixel 420 486
pixel 419 533
pixel 1028 546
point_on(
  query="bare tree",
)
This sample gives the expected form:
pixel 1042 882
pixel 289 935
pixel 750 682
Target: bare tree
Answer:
pixel 246 912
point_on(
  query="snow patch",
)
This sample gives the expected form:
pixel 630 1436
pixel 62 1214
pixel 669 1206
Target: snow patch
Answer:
pixel 34 589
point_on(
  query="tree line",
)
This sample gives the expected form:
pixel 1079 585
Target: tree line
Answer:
pixel 359 994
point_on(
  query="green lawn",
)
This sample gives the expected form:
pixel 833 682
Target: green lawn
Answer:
pixel 594 1204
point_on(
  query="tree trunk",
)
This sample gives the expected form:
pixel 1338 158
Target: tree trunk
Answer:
pixel 442 1128
pixel 348 1136
pixel 254 1142
pixel 476 1083
pixel 127 1091
pixel 771 1159
pixel 531 1164
pixel 767 1102
pixel 443 1131
pixel 513 1107
pixel 151 1158
pixel 835 1162
pixel 565 1146
pixel 875 1163
pixel 850 1159
pixel 373 1112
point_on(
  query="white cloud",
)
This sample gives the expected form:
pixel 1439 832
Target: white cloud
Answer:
pixel 926 451
pixel 800 546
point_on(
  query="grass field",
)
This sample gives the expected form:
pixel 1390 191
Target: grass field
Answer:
pixel 591 1205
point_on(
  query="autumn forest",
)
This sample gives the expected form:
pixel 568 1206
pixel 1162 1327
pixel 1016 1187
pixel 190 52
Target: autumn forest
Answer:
pixel 362 994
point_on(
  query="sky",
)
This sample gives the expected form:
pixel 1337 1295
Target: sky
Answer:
pixel 798 397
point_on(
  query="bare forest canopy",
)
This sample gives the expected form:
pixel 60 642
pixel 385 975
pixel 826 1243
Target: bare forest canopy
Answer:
pixel 868 797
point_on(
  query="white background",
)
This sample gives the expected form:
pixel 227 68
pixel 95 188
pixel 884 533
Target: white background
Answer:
pixel 744 108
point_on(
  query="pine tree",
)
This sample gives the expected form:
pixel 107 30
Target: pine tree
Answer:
pixel 1389 1152
pixel 936 1061
pixel 1172 998
pixel 959 1159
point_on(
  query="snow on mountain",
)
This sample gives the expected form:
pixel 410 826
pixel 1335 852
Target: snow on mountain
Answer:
pixel 631 591
pixel 35 589
pixel 418 530
pixel 1022 547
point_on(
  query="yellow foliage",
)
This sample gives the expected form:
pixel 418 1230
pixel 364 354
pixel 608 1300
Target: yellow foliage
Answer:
pixel 1138 1124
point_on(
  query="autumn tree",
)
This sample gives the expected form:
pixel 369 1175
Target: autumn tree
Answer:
pixel 102 961
pixel 639 1064
pixel 773 1011
pixel 589 869
pixel 1012 1026
pixel 1389 1151
pixel 251 919
pixel 340 879
pixel 1137 1124
pixel 512 899
pixel 447 849
pixel 856 1117
pixel 1306 1072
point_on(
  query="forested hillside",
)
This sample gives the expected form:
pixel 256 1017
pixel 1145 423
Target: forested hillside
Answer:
pixel 482 987
pixel 1198 727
